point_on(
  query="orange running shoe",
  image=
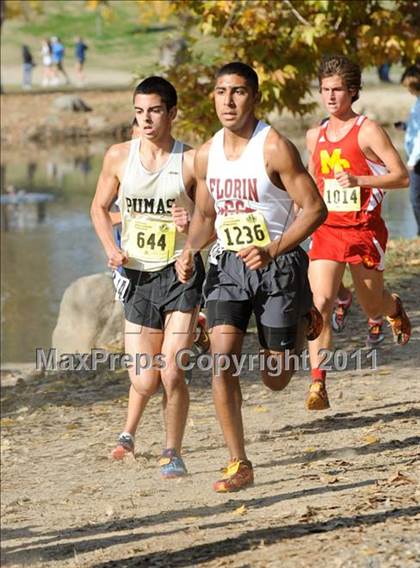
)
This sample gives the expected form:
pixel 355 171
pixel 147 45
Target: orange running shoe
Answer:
pixel 340 313
pixel 375 334
pixel 237 475
pixel 318 396
pixel 315 323
pixel 124 447
pixel 400 324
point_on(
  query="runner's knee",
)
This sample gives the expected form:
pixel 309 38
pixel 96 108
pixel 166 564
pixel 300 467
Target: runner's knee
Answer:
pixel 145 387
pixel 276 382
pixel 172 376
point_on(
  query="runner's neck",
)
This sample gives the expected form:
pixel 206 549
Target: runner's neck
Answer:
pixel 234 143
pixel 153 155
pixel 339 126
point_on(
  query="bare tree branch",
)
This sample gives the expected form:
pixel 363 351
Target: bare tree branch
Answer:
pixel 296 13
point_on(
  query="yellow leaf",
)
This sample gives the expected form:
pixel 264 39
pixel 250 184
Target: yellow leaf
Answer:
pixel 242 510
pixel 6 422
pixel 399 478
pixel 260 408
pixel 369 439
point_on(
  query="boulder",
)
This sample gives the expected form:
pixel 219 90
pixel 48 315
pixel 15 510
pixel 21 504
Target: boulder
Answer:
pixel 71 103
pixel 90 317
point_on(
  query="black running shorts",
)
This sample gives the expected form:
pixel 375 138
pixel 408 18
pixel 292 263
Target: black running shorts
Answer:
pixel 153 294
pixel 279 295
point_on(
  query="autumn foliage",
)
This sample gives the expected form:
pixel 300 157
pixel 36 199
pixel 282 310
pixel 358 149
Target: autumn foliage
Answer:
pixel 284 41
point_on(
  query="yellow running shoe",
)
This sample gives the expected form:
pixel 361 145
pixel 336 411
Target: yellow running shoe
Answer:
pixel 400 324
pixel 237 475
pixel 318 396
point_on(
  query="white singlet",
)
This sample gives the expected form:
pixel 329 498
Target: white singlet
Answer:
pixel 149 236
pixel 250 209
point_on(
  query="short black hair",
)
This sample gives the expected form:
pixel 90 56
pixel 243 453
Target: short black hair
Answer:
pixel 241 69
pixel 158 86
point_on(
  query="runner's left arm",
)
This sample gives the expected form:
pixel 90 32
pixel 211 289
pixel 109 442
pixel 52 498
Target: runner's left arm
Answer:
pixel 181 216
pixel 285 163
pixel 201 230
pixel 374 140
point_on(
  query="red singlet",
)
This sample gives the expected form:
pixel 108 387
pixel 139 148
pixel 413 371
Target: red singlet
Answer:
pixel 354 230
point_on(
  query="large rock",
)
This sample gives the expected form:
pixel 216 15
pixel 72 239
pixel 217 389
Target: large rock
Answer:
pixel 71 103
pixel 89 317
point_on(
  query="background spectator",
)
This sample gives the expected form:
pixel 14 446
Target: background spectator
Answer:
pixel 46 54
pixel 411 80
pixel 57 49
pixel 80 54
pixel 28 65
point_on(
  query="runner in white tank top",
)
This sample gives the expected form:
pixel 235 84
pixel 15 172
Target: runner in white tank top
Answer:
pixel 145 200
pixel 248 180
pixel 154 180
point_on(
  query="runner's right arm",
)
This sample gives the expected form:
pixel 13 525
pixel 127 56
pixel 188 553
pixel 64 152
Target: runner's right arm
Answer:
pixel 201 230
pixel 106 192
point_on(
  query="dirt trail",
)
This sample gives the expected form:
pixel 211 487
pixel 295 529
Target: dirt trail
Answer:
pixel 338 488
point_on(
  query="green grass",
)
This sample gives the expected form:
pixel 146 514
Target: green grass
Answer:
pixel 123 42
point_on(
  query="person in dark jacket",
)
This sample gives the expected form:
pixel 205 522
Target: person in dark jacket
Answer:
pixel 28 65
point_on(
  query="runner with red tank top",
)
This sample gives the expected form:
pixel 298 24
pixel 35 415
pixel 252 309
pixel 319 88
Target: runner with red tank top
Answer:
pixel 353 162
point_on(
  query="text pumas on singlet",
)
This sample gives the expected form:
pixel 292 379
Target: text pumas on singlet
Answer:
pixel 347 207
pixel 242 186
pixel 149 236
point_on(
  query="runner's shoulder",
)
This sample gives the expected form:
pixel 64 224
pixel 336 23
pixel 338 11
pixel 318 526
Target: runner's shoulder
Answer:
pixel 277 144
pixel 312 136
pixel 189 156
pixel 370 127
pixel 117 152
pixel 202 157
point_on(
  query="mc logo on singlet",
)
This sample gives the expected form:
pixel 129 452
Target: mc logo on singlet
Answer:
pixel 333 163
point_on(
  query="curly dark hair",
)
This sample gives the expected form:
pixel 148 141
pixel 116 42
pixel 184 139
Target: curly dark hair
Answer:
pixel 339 65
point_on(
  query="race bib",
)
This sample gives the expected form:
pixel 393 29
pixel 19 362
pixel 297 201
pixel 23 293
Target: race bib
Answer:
pixel 151 239
pixel 243 229
pixel 339 198
pixel 122 285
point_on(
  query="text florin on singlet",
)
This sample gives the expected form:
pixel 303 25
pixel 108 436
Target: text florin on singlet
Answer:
pixel 231 195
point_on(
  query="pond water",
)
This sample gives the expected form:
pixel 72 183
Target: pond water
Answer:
pixel 45 249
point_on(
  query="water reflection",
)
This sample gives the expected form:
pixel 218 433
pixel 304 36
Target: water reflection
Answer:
pixel 41 258
pixel 45 245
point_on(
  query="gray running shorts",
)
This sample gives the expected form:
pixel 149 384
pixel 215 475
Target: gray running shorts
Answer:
pixel 152 294
pixel 279 295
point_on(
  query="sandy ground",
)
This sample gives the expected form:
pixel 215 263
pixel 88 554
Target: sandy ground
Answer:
pixel 339 488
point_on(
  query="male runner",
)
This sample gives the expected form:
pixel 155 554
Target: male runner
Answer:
pixel 154 180
pixel 353 161
pixel 249 178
